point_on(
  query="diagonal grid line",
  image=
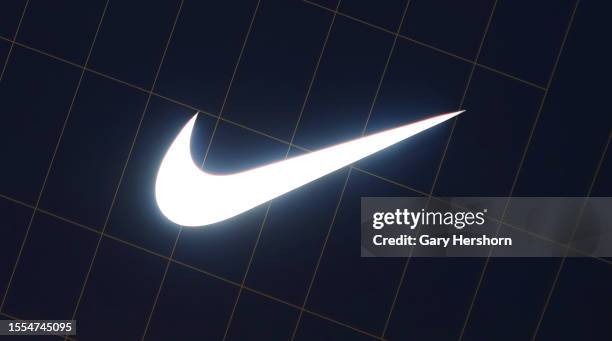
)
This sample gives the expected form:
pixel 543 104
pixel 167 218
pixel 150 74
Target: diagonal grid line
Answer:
pixel 10 51
pixel 429 46
pixel 180 230
pixel 519 168
pixel 236 284
pixel 57 145
pixel 269 204
pixel 442 158
pixel 215 116
pixel 231 82
pixel 573 234
pixel 506 224
pixel 348 175
pixel 133 143
pixel 220 118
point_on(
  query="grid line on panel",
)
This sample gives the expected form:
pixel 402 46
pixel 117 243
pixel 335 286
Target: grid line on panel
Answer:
pixel 236 284
pixel 16 201
pixel 573 234
pixel 200 110
pixel 153 93
pixel 290 144
pixel 429 46
pixel 402 36
pixel 237 124
pixel 507 75
pixel 269 204
pixel 348 175
pixel 343 324
pixel 229 121
pixel 191 267
pixel 57 145
pixel 473 62
pixel 73 64
pixel 506 224
pixel 226 96
pixel 442 158
pixel 463 97
pixel 125 164
pixel 105 234
pixel 10 51
pixel 519 168
pixel 313 313
pixel 231 82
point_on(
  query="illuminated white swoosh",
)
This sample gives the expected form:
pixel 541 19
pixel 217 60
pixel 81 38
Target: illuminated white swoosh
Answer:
pixel 189 196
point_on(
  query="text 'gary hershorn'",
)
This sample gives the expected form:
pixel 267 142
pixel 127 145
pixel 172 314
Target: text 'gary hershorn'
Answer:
pixel 486 226
pixel 410 220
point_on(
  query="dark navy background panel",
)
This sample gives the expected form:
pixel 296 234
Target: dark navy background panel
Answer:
pixel 279 78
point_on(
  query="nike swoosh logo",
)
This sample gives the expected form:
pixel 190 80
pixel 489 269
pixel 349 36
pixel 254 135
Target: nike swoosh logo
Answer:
pixel 189 196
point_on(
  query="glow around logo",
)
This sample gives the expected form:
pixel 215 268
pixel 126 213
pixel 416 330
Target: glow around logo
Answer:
pixel 189 196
